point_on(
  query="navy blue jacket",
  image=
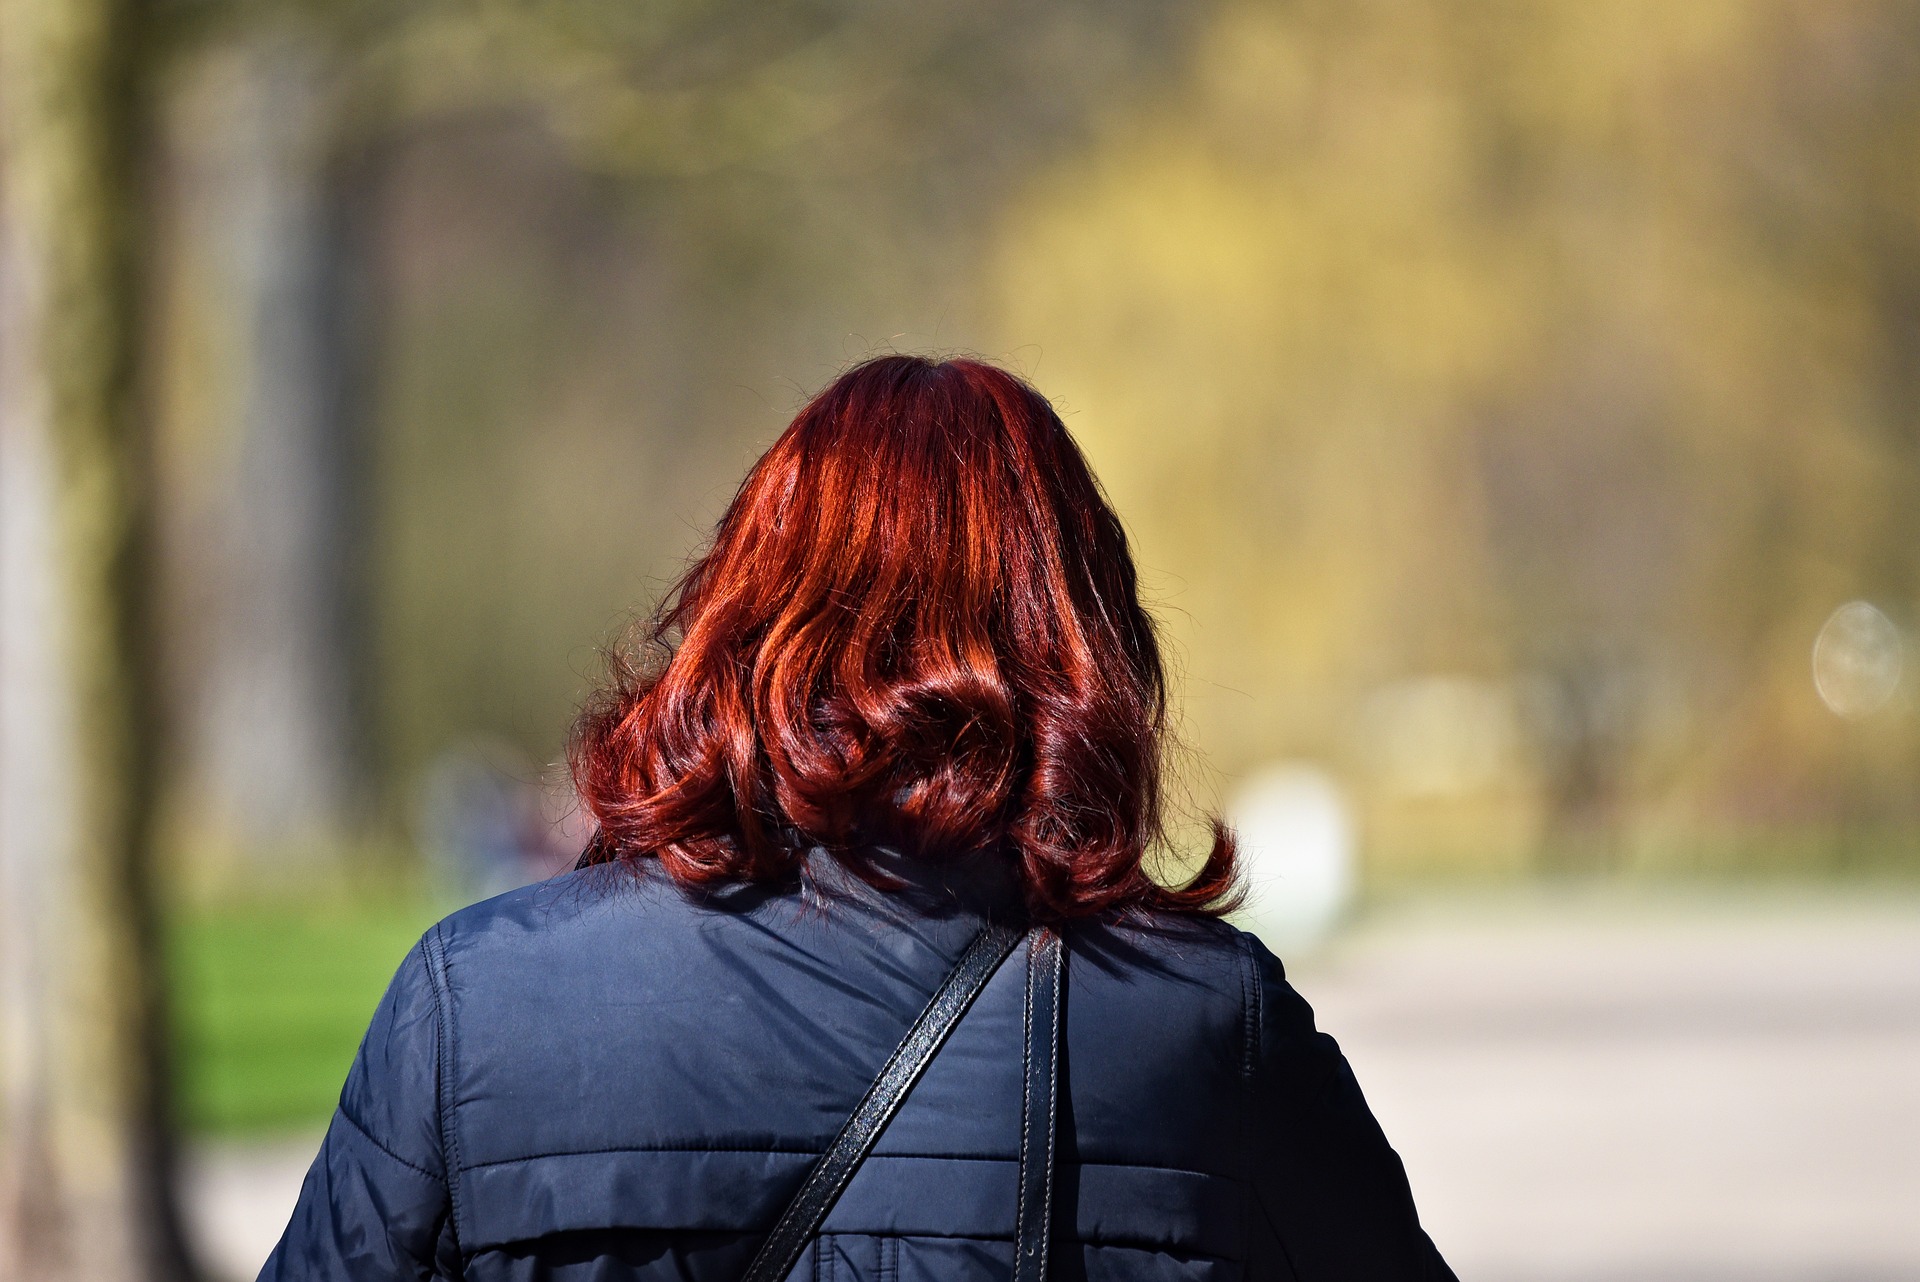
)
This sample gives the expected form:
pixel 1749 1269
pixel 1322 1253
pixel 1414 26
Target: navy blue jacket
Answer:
pixel 604 1077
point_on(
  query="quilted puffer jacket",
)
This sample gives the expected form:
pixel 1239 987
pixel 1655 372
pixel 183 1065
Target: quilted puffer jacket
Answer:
pixel 605 1077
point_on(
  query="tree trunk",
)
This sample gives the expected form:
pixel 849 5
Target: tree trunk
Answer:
pixel 283 737
pixel 86 1158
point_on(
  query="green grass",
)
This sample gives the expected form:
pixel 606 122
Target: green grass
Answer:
pixel 270 1001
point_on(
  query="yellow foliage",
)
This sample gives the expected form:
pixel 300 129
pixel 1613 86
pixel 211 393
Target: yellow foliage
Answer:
pixel 1453 337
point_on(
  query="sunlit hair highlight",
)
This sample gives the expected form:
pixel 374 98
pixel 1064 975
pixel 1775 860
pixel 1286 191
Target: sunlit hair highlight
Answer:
pixel 918 626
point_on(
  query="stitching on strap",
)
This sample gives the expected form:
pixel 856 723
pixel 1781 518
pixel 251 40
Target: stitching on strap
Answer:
pixel 1026 1107
pixel 1059 955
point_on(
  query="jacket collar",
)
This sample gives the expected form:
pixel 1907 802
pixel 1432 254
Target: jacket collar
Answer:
pixel 982 883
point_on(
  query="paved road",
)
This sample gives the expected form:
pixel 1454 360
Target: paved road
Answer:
pixel 1607 1089
pixel 1586 1087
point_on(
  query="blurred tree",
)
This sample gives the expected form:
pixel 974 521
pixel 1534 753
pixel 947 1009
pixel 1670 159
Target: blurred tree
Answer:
pixel 1558 349
pixel 725 175
pixel 1563 346
pixel 284 732
pixel 86 1160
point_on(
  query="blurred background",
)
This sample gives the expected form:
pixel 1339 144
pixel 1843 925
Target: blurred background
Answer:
pixel 1516 407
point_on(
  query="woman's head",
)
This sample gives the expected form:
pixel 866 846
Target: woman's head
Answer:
pixel 918 626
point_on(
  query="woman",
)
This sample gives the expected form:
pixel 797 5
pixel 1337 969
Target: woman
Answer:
pixel 902 720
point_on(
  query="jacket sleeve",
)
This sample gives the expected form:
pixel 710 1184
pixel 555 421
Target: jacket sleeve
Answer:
pixel 1332 1191
pixel 375 1204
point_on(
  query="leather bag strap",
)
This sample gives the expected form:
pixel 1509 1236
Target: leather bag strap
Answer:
pixel 829 1176
pixel 1033 1225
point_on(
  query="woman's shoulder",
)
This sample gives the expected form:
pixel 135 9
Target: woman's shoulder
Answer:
pixel 1189 947
pixel 574 923
pixel 1179 980
pixel 1193 968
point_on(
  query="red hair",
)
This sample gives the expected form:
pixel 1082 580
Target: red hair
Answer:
pixel 918 626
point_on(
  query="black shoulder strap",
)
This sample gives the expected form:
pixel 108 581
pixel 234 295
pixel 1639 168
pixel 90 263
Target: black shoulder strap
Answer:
pixel 829 1176
pixel 1033 1226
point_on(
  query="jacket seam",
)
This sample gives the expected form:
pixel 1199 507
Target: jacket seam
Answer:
pixel 649 1148
pixel 1252 1025
pixel 1252 1013
pixel 434 947
pixel 1099 1243
pixel 1158 1248
pixel 369 1137
pixel 1279 1240
pixel 1104 1243
pixel 814 1152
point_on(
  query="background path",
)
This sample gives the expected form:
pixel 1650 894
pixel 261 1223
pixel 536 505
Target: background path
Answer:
pixel 1604 1088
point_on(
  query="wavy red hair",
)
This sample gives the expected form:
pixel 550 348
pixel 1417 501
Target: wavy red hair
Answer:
pixel 918 626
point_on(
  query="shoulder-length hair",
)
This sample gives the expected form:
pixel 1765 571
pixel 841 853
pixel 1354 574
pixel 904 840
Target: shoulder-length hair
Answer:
pixel 918 626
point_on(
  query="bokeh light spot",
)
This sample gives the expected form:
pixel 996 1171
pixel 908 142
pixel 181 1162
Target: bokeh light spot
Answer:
pixel 1857 660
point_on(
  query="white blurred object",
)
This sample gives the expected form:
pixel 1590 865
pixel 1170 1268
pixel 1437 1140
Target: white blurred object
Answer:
pixel 238 1197
pixel 1857 660
pixel 1296 841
